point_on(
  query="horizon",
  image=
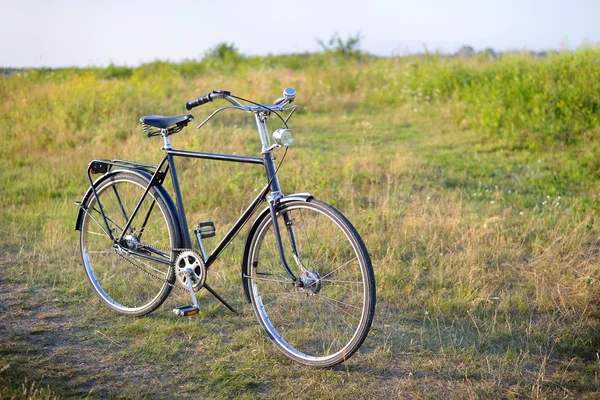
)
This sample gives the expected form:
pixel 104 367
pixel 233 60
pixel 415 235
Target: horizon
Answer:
pixel 425 52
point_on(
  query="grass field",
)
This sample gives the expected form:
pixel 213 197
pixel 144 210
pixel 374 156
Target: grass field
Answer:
pixel 474 184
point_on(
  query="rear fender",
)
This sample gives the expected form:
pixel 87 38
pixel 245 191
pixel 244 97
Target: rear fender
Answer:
pixel 162 192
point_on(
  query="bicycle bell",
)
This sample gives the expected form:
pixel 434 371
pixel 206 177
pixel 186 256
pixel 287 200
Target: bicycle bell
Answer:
pixel 289 94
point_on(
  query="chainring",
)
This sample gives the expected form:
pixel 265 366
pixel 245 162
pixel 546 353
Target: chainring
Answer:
pixel 190 259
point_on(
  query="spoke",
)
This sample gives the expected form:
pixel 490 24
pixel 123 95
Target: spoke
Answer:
pixel 97 223
pixel 302 306
pixel 158 219
pixel 305 232
pixel 267 279
pixel 317 223
pixel 279 295
pixel 283 292
pixel 314 246
pixel 268 274
pixel 150 266
pixel 331 303
pixel 270 261
pixel 337 281
pixel 149 289
pixel 318 315
pixel 269 254
pixel 337 269
pixel 99 234
pixel 109 219
pixel 302 226
pixel 341 302
pixel 317 230
pixel 339 317
pixel 314 263
pixel 320 251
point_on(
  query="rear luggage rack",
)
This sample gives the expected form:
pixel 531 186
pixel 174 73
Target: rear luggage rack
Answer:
pixel 103 166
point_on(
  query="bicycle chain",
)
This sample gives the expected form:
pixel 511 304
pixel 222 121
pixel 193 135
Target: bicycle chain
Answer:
pixel 174 286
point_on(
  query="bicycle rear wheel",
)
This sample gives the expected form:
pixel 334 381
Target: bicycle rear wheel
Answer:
pixel 324 319
pixel 126 283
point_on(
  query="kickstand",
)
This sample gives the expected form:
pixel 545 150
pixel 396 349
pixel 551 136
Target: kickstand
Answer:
pixel 220 299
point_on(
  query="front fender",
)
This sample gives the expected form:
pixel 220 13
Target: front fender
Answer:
pixel 266 213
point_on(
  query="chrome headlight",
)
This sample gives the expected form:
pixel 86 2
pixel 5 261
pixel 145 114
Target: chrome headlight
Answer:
pixel 283 137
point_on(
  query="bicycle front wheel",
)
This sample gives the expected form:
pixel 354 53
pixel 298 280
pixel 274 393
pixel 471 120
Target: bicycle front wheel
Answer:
pixel 132 282
pixel 323 317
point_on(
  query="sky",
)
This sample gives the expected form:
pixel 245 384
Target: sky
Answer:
pixel 63 33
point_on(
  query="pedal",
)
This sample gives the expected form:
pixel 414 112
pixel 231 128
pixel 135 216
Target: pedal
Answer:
pixel 186 311
pixel 206 230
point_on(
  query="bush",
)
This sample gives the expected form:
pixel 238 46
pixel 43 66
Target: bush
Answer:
pixel 526 99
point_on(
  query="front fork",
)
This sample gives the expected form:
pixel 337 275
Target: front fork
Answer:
pixel 290 230
pixel 276 195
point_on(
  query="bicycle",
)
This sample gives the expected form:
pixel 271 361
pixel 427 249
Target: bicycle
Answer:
pixel 305 269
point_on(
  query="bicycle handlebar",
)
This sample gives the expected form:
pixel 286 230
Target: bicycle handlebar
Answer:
pixel 289 95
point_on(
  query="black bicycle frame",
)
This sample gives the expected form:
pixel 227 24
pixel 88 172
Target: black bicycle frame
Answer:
pixel 158 177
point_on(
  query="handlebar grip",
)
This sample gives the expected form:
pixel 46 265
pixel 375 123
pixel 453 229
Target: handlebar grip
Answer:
pixel 198 101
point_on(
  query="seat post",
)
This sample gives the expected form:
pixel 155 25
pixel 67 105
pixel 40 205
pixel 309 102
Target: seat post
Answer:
pixel 165 136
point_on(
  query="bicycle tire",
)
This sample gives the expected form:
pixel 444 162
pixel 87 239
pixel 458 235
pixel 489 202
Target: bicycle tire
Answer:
pixel 113 276
pixel 324 322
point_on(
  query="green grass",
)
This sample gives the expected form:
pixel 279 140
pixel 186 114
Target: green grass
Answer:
pixel 482 224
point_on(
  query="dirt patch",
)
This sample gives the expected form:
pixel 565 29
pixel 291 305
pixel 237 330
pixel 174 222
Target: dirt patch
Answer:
pixel 43 344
